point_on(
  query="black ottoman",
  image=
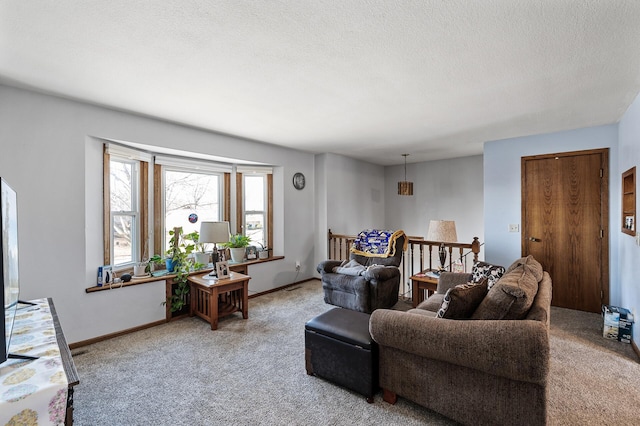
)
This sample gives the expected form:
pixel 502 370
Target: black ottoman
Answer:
pixel 339 348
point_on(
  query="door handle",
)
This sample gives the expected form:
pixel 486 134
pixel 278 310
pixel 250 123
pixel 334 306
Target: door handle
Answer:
pixel 535 240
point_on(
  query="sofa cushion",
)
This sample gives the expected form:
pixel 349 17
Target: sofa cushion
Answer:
pixel 511 297
pixel 461 301
pixel 483 270
pixel 432 303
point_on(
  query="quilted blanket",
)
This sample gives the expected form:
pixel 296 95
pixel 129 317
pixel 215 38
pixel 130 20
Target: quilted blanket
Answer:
pixel 377 243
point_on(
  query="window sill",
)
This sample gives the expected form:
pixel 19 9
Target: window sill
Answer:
pixel 171 276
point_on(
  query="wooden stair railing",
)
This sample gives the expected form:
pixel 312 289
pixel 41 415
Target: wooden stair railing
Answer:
pixel 420 255
pixel 339 245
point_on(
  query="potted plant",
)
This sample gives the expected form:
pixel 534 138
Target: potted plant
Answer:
pixel 178 252
pixel 263 253
pixel 237 245
pixel 200 255
pixel 155 263
pixel 178 263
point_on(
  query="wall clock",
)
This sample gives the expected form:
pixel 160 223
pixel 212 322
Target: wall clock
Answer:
pixel 298 181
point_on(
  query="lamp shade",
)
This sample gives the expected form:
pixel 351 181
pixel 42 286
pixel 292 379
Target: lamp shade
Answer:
pixel 442 231
pixel 214 232
pixel 404 186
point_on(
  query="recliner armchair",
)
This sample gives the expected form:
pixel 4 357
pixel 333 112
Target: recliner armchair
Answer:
pixel 375 287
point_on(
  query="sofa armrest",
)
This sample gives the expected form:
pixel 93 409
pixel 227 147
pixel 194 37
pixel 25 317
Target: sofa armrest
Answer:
pixel 448 280
pixel 327 266
pixel 515 349
pixel 381 273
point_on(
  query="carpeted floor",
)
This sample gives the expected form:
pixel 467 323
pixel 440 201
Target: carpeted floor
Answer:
pixel 251 372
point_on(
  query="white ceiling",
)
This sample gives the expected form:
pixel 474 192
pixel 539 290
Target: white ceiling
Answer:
pixel 370 79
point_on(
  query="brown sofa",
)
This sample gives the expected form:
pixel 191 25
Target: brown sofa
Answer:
pixel 475 371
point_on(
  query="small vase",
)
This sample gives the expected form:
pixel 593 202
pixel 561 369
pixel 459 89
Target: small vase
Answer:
pixel 170 264
pixel 139 269
pixel 202 258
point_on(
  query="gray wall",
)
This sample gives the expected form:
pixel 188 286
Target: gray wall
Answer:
pixel 352 195
pixel 628 248
pixel 349 197
pixel 446 189
pixel 50 157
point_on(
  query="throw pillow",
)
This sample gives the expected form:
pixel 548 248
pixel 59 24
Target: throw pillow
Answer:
pixel 462 300
pixel 483 270
pixel 530 264
pixel 510 298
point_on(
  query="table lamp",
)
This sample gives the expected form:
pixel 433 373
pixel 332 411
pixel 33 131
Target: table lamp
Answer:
pixel 442 231
pixel 215 233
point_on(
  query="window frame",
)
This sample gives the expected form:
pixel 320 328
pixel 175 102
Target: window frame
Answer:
pixel 264 210
pixel 161 217
pixel 140 234
pixel 241 213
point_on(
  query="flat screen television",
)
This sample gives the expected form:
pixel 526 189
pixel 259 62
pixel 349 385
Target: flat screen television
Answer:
pixel 8 264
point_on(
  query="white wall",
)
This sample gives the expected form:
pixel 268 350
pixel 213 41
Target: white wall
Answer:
pixel 349 197
pixel 355 196
pixel 49 157
pixel 446 189
pixel 628 251
pixel 321 224
pixel 502 188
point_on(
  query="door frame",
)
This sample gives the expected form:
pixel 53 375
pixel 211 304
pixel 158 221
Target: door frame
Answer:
pixel 604 208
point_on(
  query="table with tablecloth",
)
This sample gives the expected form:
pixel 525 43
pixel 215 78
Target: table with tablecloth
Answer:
pixel 34 392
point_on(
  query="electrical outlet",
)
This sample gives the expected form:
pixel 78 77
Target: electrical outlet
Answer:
pixel 514 227
pixel 297 265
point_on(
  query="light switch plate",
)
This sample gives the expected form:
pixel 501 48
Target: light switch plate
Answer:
pixel 514 227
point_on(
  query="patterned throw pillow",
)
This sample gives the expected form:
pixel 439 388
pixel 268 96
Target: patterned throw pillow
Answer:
pixel 483 270
pixel 462 300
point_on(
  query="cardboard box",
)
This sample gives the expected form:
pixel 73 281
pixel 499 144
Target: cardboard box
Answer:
pixel 618 323
pixel 625 329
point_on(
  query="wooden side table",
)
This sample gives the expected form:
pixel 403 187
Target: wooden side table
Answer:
pixel 212 299
pixel 420 283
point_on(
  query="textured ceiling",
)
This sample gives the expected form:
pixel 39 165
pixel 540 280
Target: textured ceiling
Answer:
pixel 367 79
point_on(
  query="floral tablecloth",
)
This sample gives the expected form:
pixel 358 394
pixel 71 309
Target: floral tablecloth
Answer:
pixel 33 392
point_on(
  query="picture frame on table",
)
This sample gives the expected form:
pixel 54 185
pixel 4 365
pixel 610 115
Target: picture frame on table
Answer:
pixel 252 252
pixel 223 254
pixel 222 269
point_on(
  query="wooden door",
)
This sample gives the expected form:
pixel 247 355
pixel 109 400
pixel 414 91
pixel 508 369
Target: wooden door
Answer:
pixel 565 220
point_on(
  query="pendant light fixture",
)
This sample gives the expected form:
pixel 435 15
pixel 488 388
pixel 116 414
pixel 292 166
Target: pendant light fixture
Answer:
pixel 404 187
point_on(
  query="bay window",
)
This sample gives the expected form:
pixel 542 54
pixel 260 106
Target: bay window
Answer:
pixel 186 192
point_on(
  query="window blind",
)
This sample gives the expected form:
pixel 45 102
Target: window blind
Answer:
pixel 127 152
pixel 255 169
pixel 187 163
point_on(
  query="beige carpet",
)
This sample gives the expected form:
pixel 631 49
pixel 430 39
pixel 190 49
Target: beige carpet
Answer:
pixel 251 372
pixel 593 380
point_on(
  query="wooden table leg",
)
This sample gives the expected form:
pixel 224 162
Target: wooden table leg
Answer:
pixel 192 302
pixel 416 293
pixel 245 299
pixel 213 307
